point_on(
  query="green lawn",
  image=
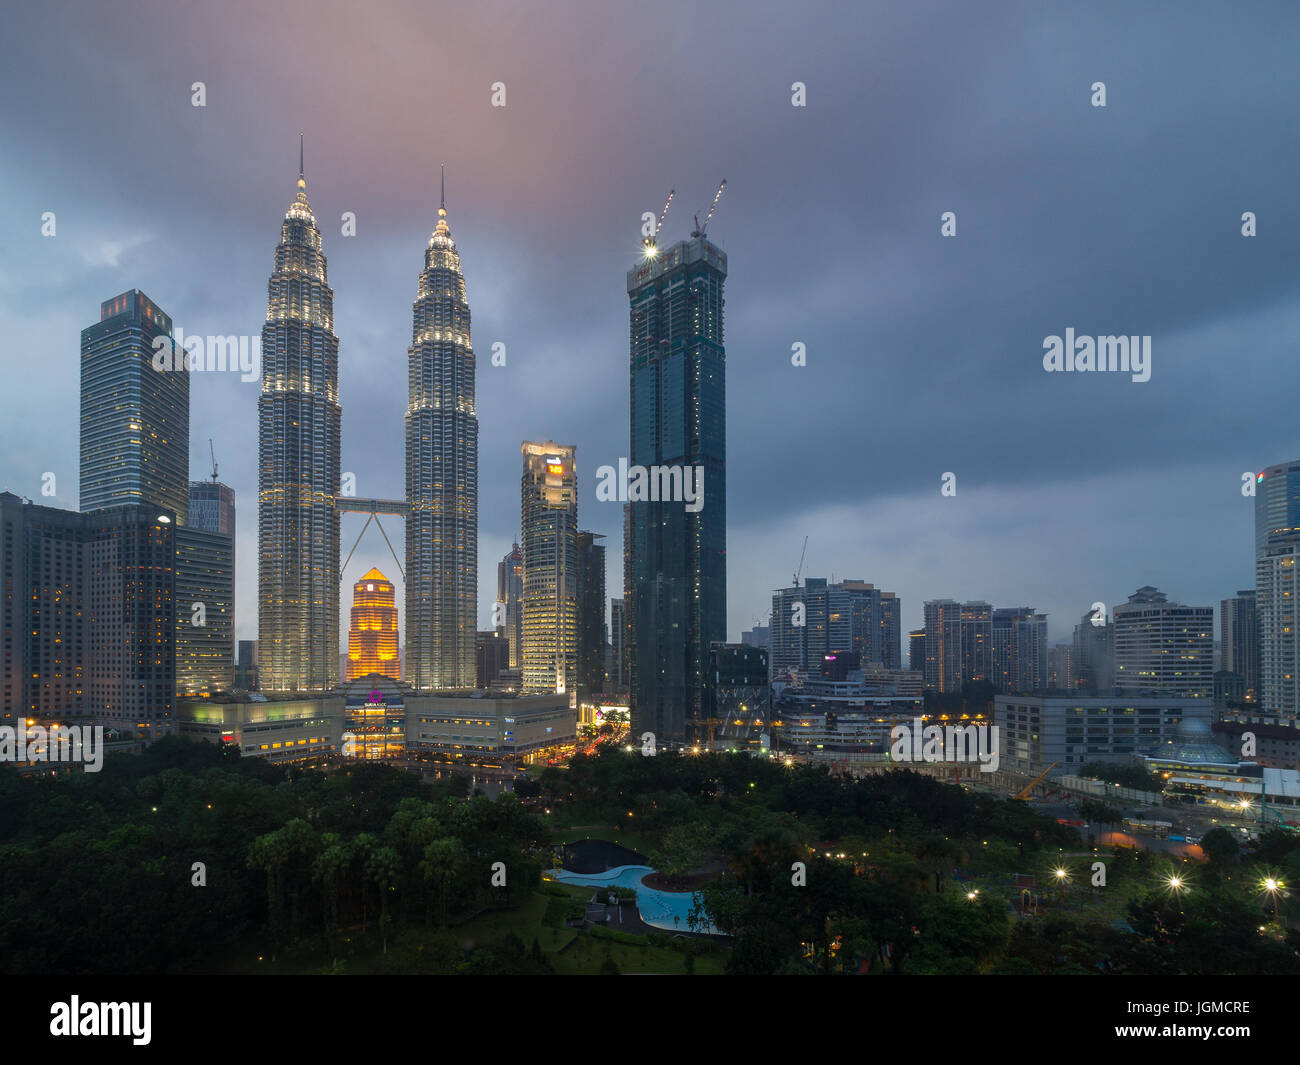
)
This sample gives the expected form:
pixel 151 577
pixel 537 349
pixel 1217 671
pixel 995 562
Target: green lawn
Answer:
pixel 496 924
pixel 586 955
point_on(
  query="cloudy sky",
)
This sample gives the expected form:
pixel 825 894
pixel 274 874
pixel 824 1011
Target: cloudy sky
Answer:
pixel 924 353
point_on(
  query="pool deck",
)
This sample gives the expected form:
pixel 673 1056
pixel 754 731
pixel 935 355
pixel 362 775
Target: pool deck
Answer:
pixel 655 909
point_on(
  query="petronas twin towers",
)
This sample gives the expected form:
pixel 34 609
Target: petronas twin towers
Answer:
pixel 299 449
pixel 441 476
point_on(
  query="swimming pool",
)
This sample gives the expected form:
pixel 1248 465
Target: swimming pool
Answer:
pixel 657 908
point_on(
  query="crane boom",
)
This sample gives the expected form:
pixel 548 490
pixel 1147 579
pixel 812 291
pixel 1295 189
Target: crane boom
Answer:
pixel 650 242
pixel 213 453
pixel 801 558
pixel 700 230
pixel 664 213
pixel 1024 792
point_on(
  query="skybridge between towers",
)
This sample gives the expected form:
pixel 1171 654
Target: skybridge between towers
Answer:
pixel 373 508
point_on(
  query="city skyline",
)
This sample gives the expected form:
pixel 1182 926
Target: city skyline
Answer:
pixel 1102 505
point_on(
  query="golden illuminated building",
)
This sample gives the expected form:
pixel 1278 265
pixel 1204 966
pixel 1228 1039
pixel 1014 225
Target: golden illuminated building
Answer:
pixel 372 635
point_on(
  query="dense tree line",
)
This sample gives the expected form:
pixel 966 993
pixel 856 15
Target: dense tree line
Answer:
pixel 97 870
pixel 806 872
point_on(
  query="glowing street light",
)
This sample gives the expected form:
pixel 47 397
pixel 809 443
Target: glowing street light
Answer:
pixel 1274 887
pixel 1062 875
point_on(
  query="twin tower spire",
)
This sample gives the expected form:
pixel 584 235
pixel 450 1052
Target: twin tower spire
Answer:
pixel 302 181
pixel 299 427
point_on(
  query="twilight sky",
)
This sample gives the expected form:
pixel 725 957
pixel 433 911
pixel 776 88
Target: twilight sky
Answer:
pixel 924 353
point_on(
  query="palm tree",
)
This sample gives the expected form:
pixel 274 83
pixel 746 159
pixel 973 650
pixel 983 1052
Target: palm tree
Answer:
pixel 441 858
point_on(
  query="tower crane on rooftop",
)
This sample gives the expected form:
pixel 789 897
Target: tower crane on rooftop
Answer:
pixel 700 230
pixel 801 558
pixel 650 243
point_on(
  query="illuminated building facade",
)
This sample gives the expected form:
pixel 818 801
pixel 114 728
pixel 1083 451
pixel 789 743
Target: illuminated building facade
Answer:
pixel 135 420
pixel 848 615
pixel 441 477
pixel 1019 649
pixel 374 717
pixel 88 614
pixel 490 733
pixel 372 634
pixel 296 730
pixel 1277 549
pixel 130 620
pixel 299 426
pixel 205 611
pixel 549 512
pixel 676 576
pixel 958 644
pixel 1163 647
pixel 1037 730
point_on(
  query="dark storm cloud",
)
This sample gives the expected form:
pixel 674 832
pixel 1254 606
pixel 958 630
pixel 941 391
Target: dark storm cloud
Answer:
pixel 924 354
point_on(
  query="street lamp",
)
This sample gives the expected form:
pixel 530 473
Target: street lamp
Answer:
pixel 1062 875
pixel 1272 886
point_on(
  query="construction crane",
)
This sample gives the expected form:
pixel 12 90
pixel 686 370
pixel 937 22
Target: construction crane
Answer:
pixel 700 230
pixel 651 243
pixel 1023 793
pixel 801 558
pixel 213 453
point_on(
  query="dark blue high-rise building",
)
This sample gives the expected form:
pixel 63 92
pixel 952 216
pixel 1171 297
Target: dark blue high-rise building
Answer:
pixel 677 551
pixel 135 416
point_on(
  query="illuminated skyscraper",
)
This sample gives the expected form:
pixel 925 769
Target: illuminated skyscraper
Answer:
pixel 298 465
pixel 135 419
pixel 676 588
pixel 958 644
pixel 1163 647
pixel 441 477
pixel 372 635
pixel 1277 550
pixel 205 611
pixel 205 573
pixel 549 508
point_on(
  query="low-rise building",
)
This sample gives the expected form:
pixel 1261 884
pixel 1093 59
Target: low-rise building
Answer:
pixel 290 729
pixel 1035 731
pixel 490 731
pixel 845 710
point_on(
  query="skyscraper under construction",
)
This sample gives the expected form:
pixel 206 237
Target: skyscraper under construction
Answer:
pixel 299 425
pixel 676 572
pixel 441 476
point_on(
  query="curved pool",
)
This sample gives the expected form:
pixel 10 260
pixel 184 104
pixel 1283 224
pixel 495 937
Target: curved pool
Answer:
pixel 657 908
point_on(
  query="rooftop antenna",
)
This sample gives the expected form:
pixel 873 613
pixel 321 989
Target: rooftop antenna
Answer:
pixel 301 172
pixel 444 186
pixel 700 230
